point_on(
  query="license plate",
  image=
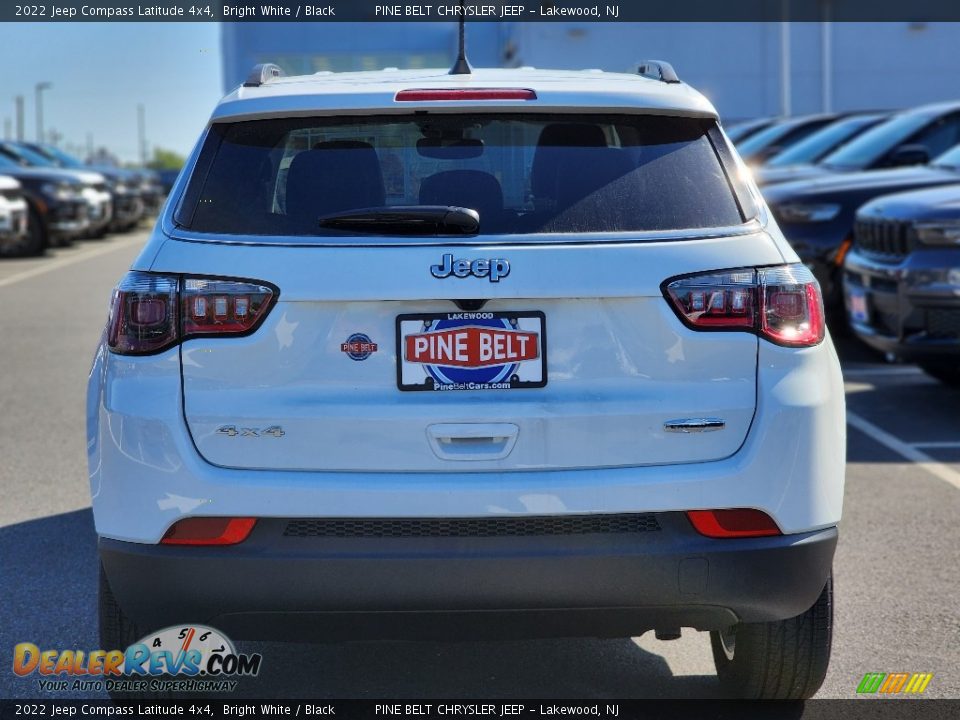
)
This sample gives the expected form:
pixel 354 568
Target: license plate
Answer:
pixel 471 351
pixel 858 305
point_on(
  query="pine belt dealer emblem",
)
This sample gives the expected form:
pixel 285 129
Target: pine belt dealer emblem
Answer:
pixel 358 347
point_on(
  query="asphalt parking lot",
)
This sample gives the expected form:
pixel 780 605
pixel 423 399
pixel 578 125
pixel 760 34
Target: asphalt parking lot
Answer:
pixel 897 569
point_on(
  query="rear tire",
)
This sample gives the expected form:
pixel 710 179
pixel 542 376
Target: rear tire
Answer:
pixel 118 632
pixel 785 660
pixel 946 372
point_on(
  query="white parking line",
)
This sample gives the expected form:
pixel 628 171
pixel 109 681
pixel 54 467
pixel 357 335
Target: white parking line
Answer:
pixel 922 460
pixel 57 263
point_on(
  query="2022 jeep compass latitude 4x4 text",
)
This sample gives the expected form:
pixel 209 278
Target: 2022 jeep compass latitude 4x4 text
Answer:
pixel 501 353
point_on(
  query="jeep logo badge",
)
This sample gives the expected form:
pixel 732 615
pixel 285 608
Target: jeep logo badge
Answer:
pixel 494 268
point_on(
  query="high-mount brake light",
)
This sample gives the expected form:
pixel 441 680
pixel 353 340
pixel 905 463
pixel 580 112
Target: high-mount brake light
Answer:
pixel 150 313
pixel 782 304
pixel 465 94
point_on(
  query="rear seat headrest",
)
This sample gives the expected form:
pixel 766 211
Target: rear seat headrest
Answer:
pixel 332 177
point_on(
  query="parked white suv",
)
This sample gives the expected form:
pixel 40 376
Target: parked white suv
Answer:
pixel 509 352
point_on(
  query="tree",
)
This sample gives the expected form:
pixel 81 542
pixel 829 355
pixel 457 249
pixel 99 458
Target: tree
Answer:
pixel 166 160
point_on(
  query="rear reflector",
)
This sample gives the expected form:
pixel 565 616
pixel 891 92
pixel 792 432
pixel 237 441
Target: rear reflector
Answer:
pixel 209 531
pixel 733 523
pixel 465 94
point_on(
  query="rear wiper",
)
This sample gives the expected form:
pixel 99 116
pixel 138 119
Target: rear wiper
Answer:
pixel 406 220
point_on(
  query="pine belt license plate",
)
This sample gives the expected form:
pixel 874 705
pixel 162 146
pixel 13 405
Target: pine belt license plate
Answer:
pixel 471 351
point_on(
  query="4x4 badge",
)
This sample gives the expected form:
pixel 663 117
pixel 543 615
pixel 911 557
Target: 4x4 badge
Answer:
pixel 494 268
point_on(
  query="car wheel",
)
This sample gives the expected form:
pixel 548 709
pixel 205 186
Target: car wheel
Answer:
pixel 118 632
pixel 785 660
pixel 947 373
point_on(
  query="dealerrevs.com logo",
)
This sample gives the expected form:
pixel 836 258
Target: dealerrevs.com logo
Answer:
pixel 181 658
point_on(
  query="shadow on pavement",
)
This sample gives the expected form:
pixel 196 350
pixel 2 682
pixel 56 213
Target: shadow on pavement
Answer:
pixel 569 668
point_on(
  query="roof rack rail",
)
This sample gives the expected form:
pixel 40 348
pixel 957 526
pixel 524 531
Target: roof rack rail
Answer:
pixel 263 73
pixel 658 70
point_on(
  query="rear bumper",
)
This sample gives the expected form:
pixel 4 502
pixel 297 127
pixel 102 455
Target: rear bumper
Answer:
pixel 274 586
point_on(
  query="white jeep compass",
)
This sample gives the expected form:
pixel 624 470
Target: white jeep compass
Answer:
pixel 497 353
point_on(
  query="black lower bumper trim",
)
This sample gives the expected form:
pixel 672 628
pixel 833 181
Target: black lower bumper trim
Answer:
pixel 274 586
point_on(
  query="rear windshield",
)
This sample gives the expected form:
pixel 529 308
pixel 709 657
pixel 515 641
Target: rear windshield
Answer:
pixel 520 173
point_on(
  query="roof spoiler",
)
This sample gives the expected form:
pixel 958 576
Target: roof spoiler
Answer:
pixel 263 73
pixel 658 70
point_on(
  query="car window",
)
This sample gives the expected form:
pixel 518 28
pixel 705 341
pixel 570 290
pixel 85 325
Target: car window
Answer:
pixel 949 159
pixel 767 136
pixel 865 150
pixel 814 147
pixel 741 131
pixel 34 158
pixel 939 136
pixel 521 173
pixel 781 134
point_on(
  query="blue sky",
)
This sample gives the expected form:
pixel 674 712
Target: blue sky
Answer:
pixel 101 71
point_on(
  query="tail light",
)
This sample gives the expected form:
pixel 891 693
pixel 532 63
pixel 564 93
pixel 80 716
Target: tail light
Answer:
pixel 150 312
pixel 209 531
pixel 741 522
pixel 782 304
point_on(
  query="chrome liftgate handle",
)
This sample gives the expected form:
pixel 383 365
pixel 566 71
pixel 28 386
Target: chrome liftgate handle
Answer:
pixel 694 425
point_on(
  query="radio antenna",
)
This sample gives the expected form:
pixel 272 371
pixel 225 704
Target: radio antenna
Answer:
pixel 461 66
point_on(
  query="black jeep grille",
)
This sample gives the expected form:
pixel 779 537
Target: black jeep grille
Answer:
pixel 473 527
pixel 885 240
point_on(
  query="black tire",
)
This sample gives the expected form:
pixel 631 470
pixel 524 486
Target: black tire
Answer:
pixel 35 242
pixel 946 372
pixel 785 660
pixel 117 632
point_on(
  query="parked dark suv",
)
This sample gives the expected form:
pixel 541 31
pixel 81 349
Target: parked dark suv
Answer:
pixel 902 279
pixel 817 215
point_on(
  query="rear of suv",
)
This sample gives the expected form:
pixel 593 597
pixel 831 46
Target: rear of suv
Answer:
pixel 502 353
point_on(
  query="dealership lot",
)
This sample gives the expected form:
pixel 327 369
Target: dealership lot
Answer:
pixel 897 565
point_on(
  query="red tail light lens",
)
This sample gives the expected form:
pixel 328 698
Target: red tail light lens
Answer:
pixel 792 306
pixel 725 300
pixel 151 313
pixel 209 531
pixel 465 94
pixel 213 307
pixel 143 314
pixel 782 304
pixel 733 523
